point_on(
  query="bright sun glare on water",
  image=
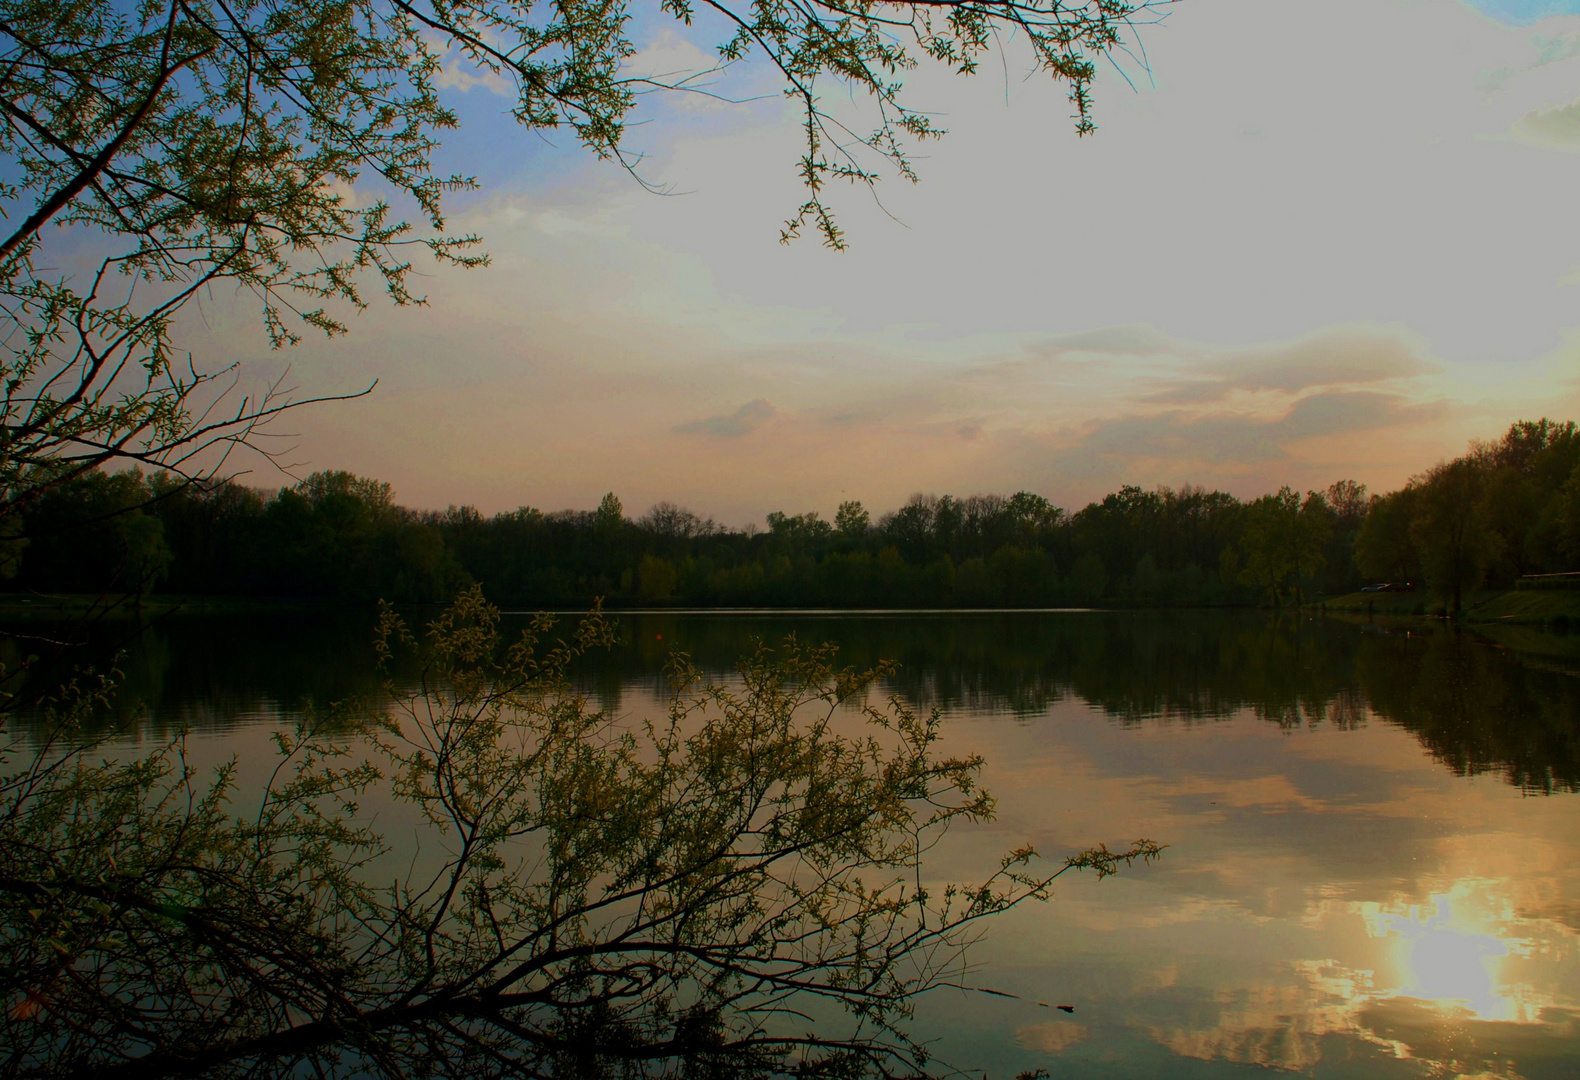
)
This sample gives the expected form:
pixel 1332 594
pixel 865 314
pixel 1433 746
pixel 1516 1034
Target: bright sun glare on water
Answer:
pixel 1454 953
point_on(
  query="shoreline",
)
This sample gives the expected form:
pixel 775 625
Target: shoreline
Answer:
pixel 1557 609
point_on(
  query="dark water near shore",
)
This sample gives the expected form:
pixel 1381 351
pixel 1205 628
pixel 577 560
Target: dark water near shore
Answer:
pixel 1373 831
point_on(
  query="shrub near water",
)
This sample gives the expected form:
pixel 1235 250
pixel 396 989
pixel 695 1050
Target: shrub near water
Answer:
pixel 591 900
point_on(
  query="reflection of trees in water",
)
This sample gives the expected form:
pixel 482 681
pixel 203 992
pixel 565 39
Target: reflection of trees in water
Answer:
pixel 207 673
pixel 960 663
pixel 1476 707
pixel 1135 666
pixel 1194 670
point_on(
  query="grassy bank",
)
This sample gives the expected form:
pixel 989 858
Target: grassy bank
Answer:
pixel 1530 607
pixel 1391 604
pixel 76 606
pixel 1519 607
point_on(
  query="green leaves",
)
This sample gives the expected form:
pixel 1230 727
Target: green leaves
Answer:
pixel 584 892
pixel 1283 541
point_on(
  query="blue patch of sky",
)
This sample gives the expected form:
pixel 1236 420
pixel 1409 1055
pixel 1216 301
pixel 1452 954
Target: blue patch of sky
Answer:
pixel 1520 12
pixel 503 155
pixel 496 149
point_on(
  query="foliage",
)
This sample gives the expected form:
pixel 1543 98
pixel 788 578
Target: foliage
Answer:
pixel 1283 541
pixel 590 898
pixel 1384 550
pixel 609 518
pixel 333 535
pixel 95 535
pixel 1504 509
pixel 181 147
pixel 340 536
pixel 655 580
pixel 1449 531
pixel 852 519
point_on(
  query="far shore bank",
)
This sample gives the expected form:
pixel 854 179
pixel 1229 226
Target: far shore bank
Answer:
pixel 1558 609
pixel 79 605
pixel 1554 609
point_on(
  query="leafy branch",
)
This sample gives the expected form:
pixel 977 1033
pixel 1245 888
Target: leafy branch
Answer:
pixel 739 887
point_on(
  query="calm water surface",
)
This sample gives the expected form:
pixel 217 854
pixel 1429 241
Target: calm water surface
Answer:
pixel 1373 833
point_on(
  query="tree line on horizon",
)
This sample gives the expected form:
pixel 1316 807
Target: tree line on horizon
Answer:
pixel 1505 509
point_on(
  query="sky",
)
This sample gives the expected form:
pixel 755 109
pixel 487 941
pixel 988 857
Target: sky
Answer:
pixel 1310 242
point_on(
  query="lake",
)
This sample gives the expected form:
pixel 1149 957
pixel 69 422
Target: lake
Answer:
pixel 1372 830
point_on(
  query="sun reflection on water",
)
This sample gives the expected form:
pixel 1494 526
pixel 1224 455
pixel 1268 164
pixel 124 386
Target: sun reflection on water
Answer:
pixel 1464 949
pixel 1448 952
pixel 1451 982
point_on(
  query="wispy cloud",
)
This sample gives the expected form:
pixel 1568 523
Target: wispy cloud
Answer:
pixel 1109 341
pixel 457 73
pixel 1336 358
pixel 742 421
pixel 1558 129
pixel 1373 280
pixel 1175 442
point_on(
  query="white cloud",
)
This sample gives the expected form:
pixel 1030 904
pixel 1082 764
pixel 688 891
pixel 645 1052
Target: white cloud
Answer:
pixel 1287 263
pixel 670 59
pixel 1557 128
pixel 743 421
pixel 459 73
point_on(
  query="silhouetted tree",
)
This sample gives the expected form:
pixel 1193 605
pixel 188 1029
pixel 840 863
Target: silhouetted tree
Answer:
pixel 852 521
pixel 1385 547
pixel 1282 542
pixel 1448 530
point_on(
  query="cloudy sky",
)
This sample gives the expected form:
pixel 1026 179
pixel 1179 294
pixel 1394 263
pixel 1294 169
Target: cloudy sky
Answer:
pixel 1317 241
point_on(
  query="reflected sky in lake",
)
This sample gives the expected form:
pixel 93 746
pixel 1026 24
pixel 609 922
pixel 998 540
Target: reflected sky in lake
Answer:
pixel 1372 867
pixel 1334 902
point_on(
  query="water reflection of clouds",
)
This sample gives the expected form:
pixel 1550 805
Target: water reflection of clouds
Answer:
pixel 1466 955
pixel 1296 1020
pixel 1461 982
pixel 1332 900
pixel 1333 897
pixel 1447 1000
pixel 1050 1037
pixel 1445 954
pixel 1279 1023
